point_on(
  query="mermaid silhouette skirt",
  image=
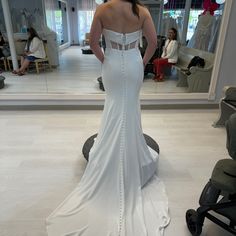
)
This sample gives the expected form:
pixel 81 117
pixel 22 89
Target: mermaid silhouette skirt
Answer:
pixel 119 193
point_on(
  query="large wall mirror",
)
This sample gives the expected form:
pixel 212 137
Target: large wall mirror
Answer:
pixel 65 26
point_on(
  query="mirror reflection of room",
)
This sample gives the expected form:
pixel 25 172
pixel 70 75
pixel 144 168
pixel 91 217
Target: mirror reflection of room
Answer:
pixel 64 27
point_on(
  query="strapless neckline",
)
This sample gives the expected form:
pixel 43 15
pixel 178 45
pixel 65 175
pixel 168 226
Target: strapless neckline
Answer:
pixel 137 31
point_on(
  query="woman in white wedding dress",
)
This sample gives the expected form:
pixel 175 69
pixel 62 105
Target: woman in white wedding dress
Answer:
pixel 119 193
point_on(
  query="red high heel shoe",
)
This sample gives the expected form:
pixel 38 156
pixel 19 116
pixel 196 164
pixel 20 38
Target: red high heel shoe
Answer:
pixel 161 78
pixel 156 78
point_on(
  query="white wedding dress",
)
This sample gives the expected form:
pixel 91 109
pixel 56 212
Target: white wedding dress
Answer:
pixel 119 193
pixel 202 34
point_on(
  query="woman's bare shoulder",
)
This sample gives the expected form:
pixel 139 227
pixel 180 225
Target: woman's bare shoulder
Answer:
pixel 109 7
pixel 101 9
pixel 144 10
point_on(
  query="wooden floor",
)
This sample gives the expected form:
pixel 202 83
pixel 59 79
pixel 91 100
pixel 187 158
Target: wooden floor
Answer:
pixel 77 74
pixel 41 162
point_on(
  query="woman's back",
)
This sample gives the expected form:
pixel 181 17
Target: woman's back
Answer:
pixel 119 17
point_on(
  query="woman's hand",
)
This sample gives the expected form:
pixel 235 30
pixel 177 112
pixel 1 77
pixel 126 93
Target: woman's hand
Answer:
pixel 102 59
pixel 144 64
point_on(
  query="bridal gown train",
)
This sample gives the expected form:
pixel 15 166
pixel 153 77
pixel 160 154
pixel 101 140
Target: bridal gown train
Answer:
pixel 119 193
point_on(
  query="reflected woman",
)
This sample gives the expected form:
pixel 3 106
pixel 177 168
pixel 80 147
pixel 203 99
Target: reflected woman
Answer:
pixel 34 49
pixel 169 56
pixel 2 42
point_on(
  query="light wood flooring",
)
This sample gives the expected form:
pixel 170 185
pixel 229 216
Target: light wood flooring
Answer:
pixel 41 162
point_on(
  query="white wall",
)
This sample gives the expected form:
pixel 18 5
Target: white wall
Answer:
pixel 34 8
pixel 227 74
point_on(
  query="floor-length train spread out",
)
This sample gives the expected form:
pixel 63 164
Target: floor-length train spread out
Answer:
pixel 119 193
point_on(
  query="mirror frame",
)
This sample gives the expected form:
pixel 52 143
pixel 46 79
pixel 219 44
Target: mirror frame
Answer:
pixel 219 49
pixel 146 99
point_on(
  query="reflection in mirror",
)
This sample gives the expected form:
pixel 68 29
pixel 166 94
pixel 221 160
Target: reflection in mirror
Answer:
pixel 202 43
pixel 56 16
pixel 197 39
pixel 197 23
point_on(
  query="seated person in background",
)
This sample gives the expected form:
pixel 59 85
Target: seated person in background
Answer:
pixel 2 42
pixel 34 49
pixel 169 56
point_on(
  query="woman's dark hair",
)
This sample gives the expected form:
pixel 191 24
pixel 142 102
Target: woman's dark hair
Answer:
pixel 135 8
pixel 175 32
pixel 32 33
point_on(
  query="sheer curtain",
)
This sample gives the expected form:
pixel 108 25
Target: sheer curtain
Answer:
pixel 51 6
pixel 57 19
pixel 86 10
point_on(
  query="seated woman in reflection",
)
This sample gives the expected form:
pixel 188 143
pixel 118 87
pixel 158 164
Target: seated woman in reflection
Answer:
pixel 2 42
pixel 169 56
pixel 34 49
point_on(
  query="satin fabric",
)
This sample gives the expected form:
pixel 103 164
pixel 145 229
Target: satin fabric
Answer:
pixel 119 193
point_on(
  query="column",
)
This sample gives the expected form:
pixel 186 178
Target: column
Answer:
pixel 10 36
pixel 186 20
pixel 160 20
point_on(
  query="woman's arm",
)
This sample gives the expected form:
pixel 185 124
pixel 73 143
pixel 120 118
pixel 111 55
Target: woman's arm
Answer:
pixel 151 36
pixel 163 55
pixel 95 35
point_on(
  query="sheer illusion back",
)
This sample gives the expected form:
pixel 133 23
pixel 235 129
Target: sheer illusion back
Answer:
pixel 119 193
pixel 122 41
